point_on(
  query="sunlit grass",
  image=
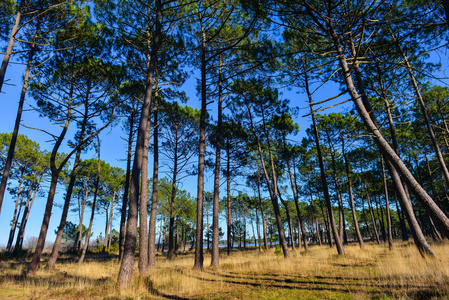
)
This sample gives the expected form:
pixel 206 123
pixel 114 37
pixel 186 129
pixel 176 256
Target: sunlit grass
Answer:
pixel 374 272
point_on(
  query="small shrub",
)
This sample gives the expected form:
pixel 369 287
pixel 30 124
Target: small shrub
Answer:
pixel 278 250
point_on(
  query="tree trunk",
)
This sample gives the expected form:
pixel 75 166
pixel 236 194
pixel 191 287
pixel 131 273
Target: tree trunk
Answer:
pixel 15 216
pixel 57 244
pixel 295 197
pixel 215 220
pixel 55 171
pixel 26 214
pixel 111 218
pixel 89 230
pixel 126 188
pixel 127 263
pixel 272 189
pixel 172 207
pixel 332 224
pixel 108 224
pixel 201 160
pixel 79 240
pixel 368 198
pixel 264 224
pixel 351 197
pixel 15 132
pixel 341 219
pixel 8 53
pixel 154 194
pixel 289 222
pixel 228 197
pixel 143 207
pixel 387 206
pixel 258 230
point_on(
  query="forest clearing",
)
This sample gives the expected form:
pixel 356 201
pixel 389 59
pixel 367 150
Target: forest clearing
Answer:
pixel 372 273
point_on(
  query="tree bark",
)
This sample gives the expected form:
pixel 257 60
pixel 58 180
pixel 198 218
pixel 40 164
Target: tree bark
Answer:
pixel 126 188
pixel 289 223
pixel 154 194
pixel 172 205
pixel 228 197
pixel 89 230
pixel 15 215
pixel 351 197
pixel 215 234
pixel 127 263
pixel 387 206
pixel 15 132
pixel 330 213
pixel 264 224
pixel 26 214
pixel 368 198
pixel 8 53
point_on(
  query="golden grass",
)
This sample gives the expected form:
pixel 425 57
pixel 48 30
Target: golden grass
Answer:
pixel 374 272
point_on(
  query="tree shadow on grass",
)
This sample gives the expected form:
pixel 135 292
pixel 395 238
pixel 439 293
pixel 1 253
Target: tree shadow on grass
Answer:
pixel 56 279
pixel 324 283
pixel 152 290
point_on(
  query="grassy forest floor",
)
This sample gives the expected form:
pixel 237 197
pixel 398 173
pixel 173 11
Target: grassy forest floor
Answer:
pixel 373 273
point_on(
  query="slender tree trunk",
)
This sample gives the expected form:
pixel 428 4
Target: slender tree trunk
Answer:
pixel 143 207
pixel 295 197
pixel 264 224
pixel 341 219
pixel 314 217
pixel 8 53
pixel 89 230
pixel 351 196
pixel 127 263
pixel 198 265
pixel 387 206
pixel 108 223
pixel 332 224
pixel 15 215
pixel 172 208
pixel 289 222
pixel 155 193
pixel 380 217
pixel 111 218
pixel 57 244
pixel 55 171
pixel 126 188
pixel 271 188
pixel 215 233
pixel 79 240
pixel 373 220
pixel 258 230
pixel 15 133
pixel 26 214
pixel 164 233
pixel 228 197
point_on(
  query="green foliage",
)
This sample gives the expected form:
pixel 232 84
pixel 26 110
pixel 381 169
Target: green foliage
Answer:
pixel 278 250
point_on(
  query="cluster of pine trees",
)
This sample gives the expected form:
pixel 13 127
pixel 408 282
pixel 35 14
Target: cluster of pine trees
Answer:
pixel 379 169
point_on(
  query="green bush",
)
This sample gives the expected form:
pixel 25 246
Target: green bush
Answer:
pixel 278 250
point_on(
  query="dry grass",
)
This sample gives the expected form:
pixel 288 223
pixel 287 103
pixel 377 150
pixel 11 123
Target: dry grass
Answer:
pixel 374 272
